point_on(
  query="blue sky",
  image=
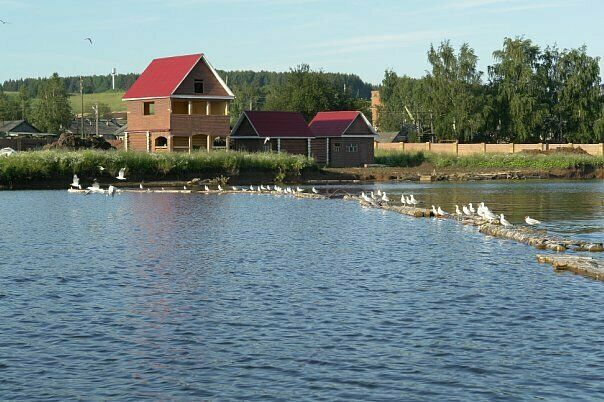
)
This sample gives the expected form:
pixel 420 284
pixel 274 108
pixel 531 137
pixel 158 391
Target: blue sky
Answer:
pixel 353 36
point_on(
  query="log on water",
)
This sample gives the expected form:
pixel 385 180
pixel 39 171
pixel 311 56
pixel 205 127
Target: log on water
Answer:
pixel 585 266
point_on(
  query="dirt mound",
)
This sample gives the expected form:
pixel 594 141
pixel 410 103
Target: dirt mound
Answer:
pixel 557 151
pixel 71 142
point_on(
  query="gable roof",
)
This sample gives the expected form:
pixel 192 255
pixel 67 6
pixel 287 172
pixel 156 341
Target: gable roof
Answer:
pixel 10 125
pixel 275 124
pixel 335 124
pixel 164 75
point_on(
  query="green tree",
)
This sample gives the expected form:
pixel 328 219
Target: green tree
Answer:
pixel 454 87
pixel 520 106
pixel 309 92
pixel 52 112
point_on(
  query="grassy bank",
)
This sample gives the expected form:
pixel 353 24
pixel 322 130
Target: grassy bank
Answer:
pixel 37 166
pixel 111 98
pixel 488 161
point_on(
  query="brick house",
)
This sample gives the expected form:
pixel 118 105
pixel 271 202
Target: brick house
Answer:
pixel 339 139
pixel 177 104
pixel 348 137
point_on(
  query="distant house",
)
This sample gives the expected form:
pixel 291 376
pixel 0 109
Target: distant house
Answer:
pixel 14 128
pixel 108 128
pixel 177 104
pixel 267 131
pixel 348 135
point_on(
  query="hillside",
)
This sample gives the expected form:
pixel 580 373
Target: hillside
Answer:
pixel 113 99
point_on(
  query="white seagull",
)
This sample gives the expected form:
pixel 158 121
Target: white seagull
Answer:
pixel 314 190
pixel 219 188
pixel 440 211
pixel 140 186
pixel 101 168
pixel 471 208
pixel 111 191
pixel 379 192
pixel 76 182
pixel 120 174
pixel 206 188
pixel 234 188
pixel 385 197
pixel 457 211
pixel 504 221
pixel 299 190
pixel 403 199
pixel 413 200
pixel 465 210
pixel 94 188
pixel 531 221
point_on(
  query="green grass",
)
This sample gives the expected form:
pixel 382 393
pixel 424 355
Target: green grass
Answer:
pixel 37 166
pixel 113 99
pixel 483 161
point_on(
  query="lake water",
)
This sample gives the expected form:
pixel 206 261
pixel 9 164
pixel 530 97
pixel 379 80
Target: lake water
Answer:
pixel 251 297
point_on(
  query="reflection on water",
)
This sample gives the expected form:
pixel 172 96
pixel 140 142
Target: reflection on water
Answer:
pixel 196 297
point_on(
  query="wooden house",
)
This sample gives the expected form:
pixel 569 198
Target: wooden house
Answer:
pixel 177 104
pixel 348 138
pixel 267 131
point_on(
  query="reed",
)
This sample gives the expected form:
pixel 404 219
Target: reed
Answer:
pixel 33 166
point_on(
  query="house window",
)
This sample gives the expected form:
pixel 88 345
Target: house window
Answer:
pixel 161 142
pixel 352 148
pixel 336 147
pixel 198 86
pixel 149 108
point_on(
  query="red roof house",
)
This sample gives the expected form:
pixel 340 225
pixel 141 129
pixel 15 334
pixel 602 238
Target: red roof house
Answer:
pixel 178 103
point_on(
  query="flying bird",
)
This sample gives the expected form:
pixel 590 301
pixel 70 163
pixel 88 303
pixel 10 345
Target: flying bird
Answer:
pixel 89 40
pixel 76 182
pixel 267 139
pixel 4 22
pixel 120 174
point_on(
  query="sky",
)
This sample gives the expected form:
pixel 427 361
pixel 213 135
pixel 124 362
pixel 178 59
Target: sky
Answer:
pixel 349 36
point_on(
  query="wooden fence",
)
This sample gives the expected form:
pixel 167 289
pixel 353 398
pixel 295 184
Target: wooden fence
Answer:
pixel 455 148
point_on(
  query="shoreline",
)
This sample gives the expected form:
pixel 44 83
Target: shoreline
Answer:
pixel 334 176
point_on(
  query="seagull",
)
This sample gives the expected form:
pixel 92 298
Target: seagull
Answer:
pixel 234 188
pixel 385 197
pixel 531 221
pixel 488 215
pixel 184 187
pixel 440 211
pixel 101 168
pixel 89 40
pixel 4 22
pixel 403 199
pixel 466 211
pixel 94 188
pixel 111 191
pixel 262 187
pixel 434 211
pixel 413 200
pixel 314 190
pixel 206 188
pixel 504 221
pixel 379 192
pixel 471 208
pixel 267 139
pixel 251 188
pixel 457 211
pixel 76 182
pixel 219 187
pixel 120 175
pixel 299 190
pixel 373 197
pixel 140 186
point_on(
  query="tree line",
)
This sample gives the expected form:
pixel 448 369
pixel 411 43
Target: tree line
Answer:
pixel 529 94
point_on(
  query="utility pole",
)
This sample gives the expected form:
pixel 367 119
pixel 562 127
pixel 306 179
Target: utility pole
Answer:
pixel 113 73
pixel 96 115
pixel 82 109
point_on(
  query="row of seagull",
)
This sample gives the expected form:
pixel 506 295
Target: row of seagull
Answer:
pixel 268 188
pixel 484 212
pixel 382 196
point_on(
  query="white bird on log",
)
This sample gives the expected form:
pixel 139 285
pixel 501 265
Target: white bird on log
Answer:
pixel 440 211
pixel 140 186
pixel 299 190
pixel 434 211
pixel 531 221
pixel 403 199
pixel 314 190
pixel 457 211
pixel 488 215
pixel 379 192
pixel 373 197
pixel 471 208
pixel 234 188
pixel 101 168
pixel 465 210
pixel 219 187
pixel 504 221
pixel 413 200
pixel 262 187
pixel 184 187
pixel 120 174
pixel 206 188
pixel 385 197
pixel 76 182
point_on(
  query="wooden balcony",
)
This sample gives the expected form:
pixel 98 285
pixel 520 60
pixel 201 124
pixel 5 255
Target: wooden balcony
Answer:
pixel 215 126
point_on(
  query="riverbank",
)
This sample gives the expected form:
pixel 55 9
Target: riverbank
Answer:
pixel 53 169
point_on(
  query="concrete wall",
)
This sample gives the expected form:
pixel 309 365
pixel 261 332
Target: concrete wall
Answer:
pixel 468 149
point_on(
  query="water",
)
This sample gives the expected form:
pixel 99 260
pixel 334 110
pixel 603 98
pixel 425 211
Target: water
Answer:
pixel 247 297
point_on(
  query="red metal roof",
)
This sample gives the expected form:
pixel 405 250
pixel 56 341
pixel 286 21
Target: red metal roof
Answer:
pixel 162 77
pixel 332 124
pixel 278 124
